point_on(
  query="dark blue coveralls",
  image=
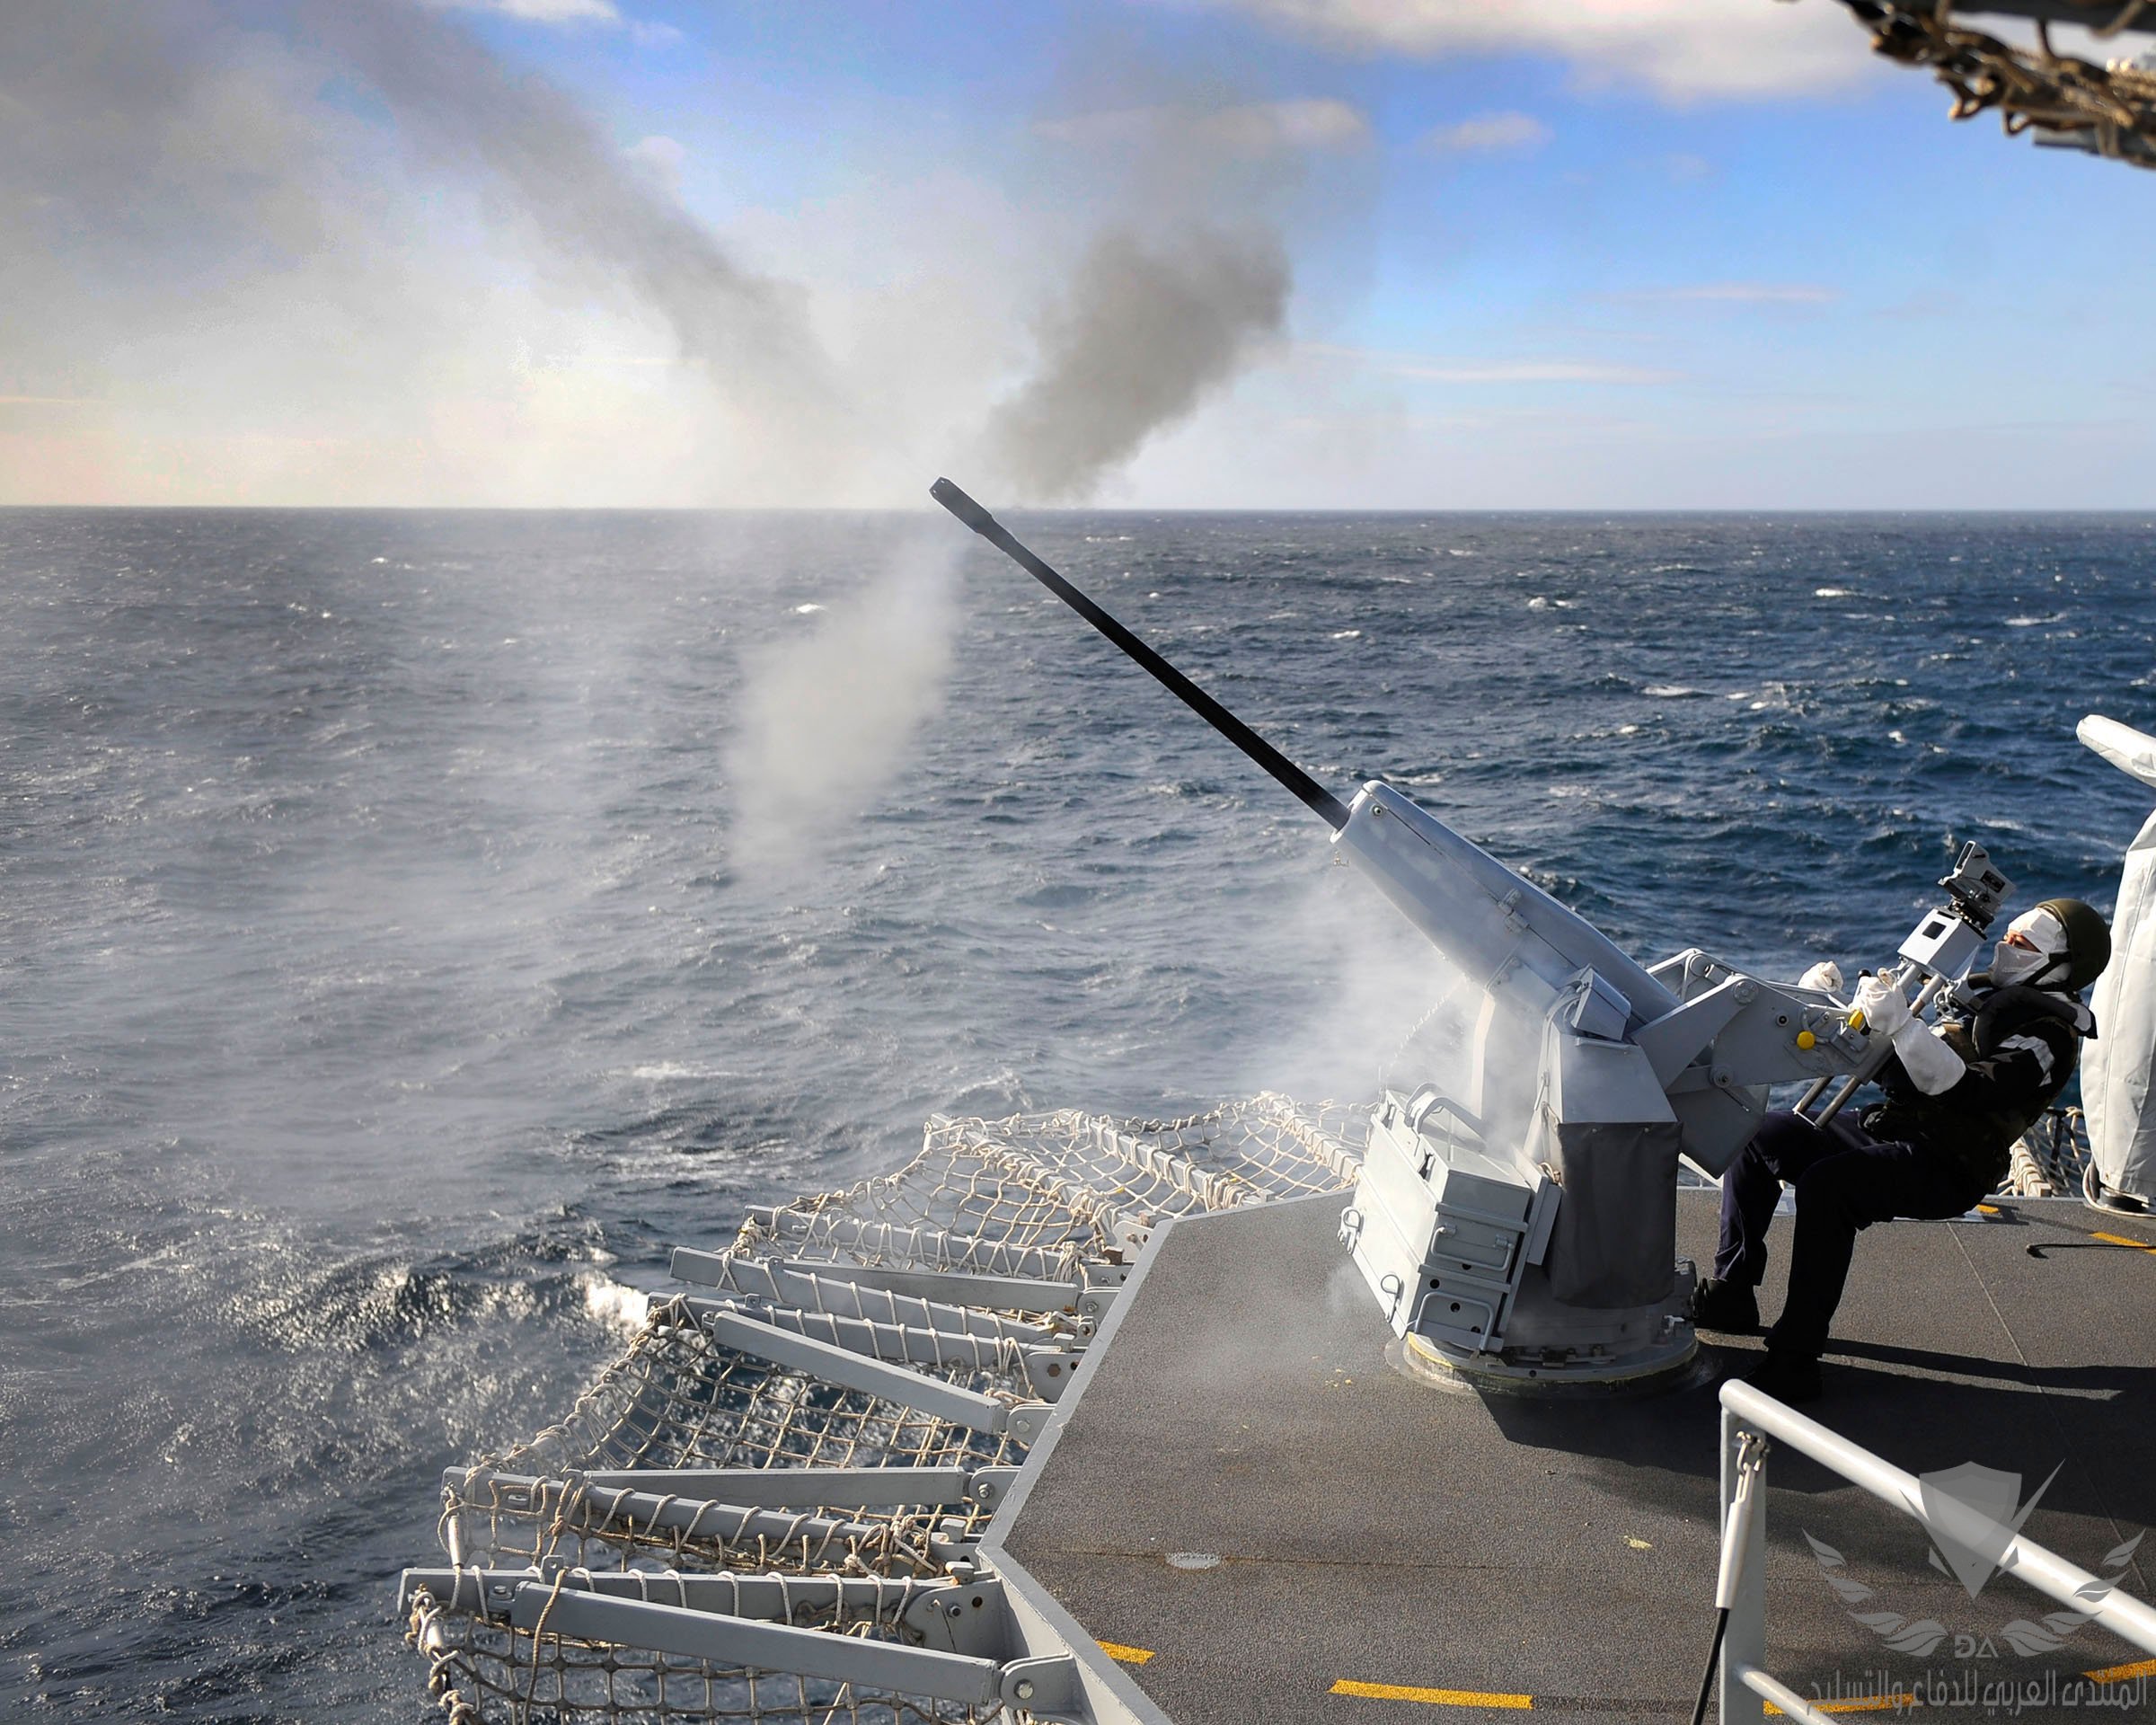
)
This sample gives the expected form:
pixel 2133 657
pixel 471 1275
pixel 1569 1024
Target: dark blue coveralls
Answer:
pixel 1912 1155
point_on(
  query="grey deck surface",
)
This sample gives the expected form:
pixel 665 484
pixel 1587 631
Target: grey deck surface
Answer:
pixel 1379 1530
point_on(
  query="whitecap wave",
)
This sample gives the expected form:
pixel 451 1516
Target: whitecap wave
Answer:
pixel 614 1304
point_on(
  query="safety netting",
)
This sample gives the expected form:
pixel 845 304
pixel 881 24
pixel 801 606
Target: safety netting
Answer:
pixel 481 1671
pixel 1048 1197
pixel 2107 107
pixel 1042 1194
pixel 2051 1159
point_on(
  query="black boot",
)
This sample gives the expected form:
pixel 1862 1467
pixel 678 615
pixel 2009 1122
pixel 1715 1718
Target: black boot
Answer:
pixel 1792 1378
pixel 1733 1306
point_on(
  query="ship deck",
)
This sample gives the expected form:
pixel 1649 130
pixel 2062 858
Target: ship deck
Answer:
pixel 1257 1519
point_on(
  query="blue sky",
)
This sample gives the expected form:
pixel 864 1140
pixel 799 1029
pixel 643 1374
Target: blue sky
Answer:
pixel 1567 253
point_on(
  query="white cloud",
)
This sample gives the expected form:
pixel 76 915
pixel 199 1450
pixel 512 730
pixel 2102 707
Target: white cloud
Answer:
pixel 1741 293
pixel 1534 371
pixel 643 33
pixel 1488 134
pixel 550 11
pixel 1248 129
pixel 1425 368
pixel 1680 49
pixel 572 13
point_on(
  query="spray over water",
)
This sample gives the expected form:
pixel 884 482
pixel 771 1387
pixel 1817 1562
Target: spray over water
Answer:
pixel 825 721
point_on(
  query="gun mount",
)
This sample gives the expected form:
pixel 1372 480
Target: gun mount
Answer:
pixel 1520 1229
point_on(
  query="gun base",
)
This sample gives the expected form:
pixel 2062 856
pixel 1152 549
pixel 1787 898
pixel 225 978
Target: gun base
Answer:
pixel 1671 1363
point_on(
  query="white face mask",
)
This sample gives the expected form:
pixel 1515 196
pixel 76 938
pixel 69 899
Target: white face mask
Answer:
pixel 2013 962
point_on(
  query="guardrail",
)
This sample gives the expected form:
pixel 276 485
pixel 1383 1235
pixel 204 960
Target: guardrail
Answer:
pixel 1749 1420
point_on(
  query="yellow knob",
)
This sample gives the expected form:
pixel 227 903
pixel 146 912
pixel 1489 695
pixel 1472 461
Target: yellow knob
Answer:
pixel 1806 1039
pixel 1856 1021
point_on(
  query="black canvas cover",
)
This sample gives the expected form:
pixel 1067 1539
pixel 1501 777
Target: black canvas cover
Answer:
pixel 1615 1241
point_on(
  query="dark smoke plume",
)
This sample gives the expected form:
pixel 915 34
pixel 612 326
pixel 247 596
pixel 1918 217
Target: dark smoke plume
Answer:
pixel 253 251
pixel 1145 331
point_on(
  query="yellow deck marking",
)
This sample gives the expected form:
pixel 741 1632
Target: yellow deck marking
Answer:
pixel 2120 1673
pixel 1436 1697
pixel 2121 1240
pixel 1869 1704
pixel 1129 1655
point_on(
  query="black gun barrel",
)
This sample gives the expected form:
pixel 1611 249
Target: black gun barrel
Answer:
pixel 1313 795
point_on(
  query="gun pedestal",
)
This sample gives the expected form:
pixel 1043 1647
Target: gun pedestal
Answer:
pixel 1501 1282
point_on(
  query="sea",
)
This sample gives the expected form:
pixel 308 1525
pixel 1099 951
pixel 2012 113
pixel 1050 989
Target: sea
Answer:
pixel 417 923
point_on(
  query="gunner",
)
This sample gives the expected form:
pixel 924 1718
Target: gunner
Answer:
pixel 1957 1098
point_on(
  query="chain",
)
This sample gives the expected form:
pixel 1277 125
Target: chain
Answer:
pixel 2110 109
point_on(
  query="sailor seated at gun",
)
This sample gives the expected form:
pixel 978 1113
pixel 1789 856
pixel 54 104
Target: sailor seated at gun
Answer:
pixel 1957 1098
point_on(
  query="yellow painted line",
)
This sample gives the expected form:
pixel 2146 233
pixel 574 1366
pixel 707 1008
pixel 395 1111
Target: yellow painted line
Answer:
pixel 1435 1697
pixel 1127 1655
pixel 1869 1705
pixel 2121 1240
pixel 2120 1673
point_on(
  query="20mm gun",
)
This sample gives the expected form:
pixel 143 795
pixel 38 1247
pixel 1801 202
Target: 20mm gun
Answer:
pixel 1520 1228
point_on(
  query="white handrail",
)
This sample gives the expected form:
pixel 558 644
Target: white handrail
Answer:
pixel 2045 1570
pixel 1781 1695
pixel 1743 1682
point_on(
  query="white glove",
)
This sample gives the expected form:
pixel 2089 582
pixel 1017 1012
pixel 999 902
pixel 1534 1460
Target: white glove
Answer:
pixel 1825 976
pixel 1932 1066
pixel 1886 1010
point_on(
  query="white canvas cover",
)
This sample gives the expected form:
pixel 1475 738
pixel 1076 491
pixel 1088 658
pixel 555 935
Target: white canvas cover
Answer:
pixel 2117 1066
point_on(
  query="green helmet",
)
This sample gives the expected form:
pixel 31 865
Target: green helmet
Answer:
pixel 2088 941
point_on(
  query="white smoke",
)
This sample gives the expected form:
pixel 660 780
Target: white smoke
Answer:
pixel 825 721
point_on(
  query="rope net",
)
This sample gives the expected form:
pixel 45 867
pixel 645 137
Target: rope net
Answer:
pixel 1043 1195
pixel 1040 1197
pixel 2108 109
pixel 481 1671
pixel 2051 1158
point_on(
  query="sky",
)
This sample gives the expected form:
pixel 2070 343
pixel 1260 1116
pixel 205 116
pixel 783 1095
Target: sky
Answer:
pixel 1416 255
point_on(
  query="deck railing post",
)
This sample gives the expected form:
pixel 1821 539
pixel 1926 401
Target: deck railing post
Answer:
pixel 1744 1641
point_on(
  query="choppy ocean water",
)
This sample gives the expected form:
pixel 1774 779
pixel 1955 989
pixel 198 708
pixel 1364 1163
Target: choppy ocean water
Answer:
pixel 396 966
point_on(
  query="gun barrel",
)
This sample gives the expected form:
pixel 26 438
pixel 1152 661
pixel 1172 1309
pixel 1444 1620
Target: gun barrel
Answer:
pixel 1307 790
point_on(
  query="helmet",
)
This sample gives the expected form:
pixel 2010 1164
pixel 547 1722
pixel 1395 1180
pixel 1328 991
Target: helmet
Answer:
pixel 2088 941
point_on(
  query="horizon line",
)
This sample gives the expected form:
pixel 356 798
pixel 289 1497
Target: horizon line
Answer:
pixel 1095 508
